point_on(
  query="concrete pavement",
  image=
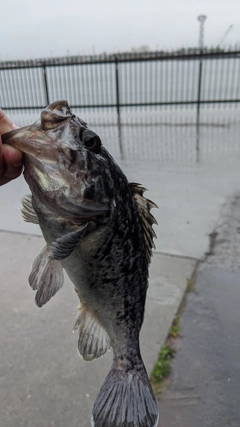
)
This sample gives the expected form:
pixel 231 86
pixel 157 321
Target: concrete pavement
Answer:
pixel 43 382
pixel 203 388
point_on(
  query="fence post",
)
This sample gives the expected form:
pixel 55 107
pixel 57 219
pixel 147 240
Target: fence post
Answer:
pixel 118 109
pixel 198 109
pixel 45 82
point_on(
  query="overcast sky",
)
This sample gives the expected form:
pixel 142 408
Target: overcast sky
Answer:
pixel 34 28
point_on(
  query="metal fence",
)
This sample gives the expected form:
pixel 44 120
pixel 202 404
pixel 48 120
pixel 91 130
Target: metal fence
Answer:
pixel 152 105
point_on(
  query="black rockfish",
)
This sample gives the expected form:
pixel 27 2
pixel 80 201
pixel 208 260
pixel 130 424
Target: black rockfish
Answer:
pixel 98 227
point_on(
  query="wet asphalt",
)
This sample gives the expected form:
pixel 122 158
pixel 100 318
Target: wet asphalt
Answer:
pixel 203 389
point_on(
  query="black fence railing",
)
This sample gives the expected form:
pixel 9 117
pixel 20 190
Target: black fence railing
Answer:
pixel 129 89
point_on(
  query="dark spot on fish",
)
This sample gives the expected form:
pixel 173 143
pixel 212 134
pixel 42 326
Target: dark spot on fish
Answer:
pixel 89 191
pixel 74 154
pixel 120 319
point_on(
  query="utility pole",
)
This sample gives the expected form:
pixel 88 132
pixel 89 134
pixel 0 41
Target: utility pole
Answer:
pixel 201 19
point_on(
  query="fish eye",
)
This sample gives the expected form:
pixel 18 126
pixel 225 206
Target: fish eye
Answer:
pixel 91 140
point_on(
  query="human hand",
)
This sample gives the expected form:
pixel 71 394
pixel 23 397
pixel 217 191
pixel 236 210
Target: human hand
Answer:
pixel 10 157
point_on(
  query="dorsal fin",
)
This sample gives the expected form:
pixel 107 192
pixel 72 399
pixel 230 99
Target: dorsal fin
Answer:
pixel 144 206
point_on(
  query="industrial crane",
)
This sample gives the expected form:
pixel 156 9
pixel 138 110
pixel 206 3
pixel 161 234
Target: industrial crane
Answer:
pixel 225 35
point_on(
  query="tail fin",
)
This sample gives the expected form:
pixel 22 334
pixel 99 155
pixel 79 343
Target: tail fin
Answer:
pixel 125 400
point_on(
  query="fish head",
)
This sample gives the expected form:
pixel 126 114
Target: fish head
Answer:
pixel 64 163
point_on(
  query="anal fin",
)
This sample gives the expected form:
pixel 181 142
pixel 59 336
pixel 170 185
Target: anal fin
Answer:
pixel 46 277
pixel 93 340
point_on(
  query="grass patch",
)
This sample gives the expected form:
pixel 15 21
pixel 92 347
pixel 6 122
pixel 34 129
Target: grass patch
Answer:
pixel 161 369
pixel 162 366
pixel 175 329
pixel 190 284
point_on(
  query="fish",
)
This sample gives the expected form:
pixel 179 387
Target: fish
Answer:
pixel 99 229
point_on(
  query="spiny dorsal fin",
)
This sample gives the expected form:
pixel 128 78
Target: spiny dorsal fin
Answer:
pixel 144 206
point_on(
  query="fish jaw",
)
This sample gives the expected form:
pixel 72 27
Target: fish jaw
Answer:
pixel 31 141
pixel 57 130
pixel 49 145
pixel 48 168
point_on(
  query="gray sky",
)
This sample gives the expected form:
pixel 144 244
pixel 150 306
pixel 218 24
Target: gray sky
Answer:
pixel 33 28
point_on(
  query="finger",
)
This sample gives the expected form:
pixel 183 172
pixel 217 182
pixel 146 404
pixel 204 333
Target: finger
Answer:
pixel 6 125
pixel 10 163
pixel 11 156
pixel 10 173
pixel 1 158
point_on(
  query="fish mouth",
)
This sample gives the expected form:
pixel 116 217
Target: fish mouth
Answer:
pixel 54 114
pixel 41 139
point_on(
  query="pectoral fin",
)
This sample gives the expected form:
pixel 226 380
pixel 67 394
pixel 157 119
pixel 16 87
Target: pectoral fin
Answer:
pixel 62 247
pixel 46 277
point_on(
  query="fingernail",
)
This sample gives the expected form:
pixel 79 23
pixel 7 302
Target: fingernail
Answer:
pixel 16 165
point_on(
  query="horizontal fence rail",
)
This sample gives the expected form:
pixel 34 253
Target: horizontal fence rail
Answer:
pixel 112 88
